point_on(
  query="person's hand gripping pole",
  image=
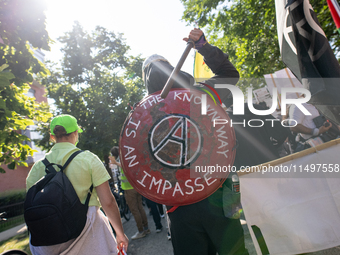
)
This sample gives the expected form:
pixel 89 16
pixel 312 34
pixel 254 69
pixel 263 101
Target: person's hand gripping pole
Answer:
pixel 195 37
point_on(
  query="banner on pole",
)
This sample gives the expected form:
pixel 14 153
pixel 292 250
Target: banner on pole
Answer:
pixel 306 52
pixel 201 70
pixel 293 212
pixel 335 12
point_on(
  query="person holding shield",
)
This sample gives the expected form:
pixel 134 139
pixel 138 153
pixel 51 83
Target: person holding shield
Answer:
pixel 202 227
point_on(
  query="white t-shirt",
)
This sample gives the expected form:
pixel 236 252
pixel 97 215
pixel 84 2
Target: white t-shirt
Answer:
pixel 306 120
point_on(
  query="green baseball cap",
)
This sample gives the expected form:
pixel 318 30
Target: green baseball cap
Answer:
pixel 67 121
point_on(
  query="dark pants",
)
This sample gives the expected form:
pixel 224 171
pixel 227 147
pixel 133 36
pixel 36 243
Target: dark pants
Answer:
pixel 160 209
pixel 301 146
pixel 202 229
pixel 155 213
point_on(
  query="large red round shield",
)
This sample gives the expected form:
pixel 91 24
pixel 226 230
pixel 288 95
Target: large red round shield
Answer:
pixel 177 150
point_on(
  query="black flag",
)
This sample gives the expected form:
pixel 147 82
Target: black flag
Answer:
pixel 306 52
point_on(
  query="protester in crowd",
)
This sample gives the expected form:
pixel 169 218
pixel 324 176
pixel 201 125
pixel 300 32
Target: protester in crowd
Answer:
pixel 275 133
pixel 161 210
pixel 290 143
pixel 156 214
pixel 257 144
pixel 108 168
pixel 199 228
pixel 305 125
pixel 133 199
pixel 85 169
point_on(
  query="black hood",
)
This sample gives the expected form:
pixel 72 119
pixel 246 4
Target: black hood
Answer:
pixel 157 74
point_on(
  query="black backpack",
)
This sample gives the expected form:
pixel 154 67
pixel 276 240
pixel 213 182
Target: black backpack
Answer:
pixel 52 210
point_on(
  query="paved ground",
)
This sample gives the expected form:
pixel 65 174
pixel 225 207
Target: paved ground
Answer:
pixel 12 232
pixel 153 244
pixel 158 243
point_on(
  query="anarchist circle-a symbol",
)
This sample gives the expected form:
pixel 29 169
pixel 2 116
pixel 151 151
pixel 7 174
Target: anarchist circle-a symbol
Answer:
pixel 175 141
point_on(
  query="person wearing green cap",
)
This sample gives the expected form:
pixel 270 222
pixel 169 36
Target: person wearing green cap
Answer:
pixel 68 122
pixel 83 171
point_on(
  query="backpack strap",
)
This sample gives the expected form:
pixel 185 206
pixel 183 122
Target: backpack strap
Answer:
pixel 70 159
pixel 64 167
pixel 89 196
pixel 50 168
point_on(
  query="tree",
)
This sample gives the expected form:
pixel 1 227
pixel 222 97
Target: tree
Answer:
pixel 97 82
pixel 246 30
pixel 22 26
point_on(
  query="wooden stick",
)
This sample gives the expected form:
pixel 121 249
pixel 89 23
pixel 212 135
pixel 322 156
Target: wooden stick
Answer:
pixel 174 73
pixel 290 157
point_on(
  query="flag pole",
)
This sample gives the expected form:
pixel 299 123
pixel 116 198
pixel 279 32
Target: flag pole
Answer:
pixel 334 8
pixel 280 161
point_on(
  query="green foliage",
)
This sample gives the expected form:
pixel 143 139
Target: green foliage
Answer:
pixel 18 242
pixel 97 83
pixel 247 31
pixel 12 197
pixel 22 22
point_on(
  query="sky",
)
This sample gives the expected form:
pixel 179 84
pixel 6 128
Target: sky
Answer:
pixel 148 26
